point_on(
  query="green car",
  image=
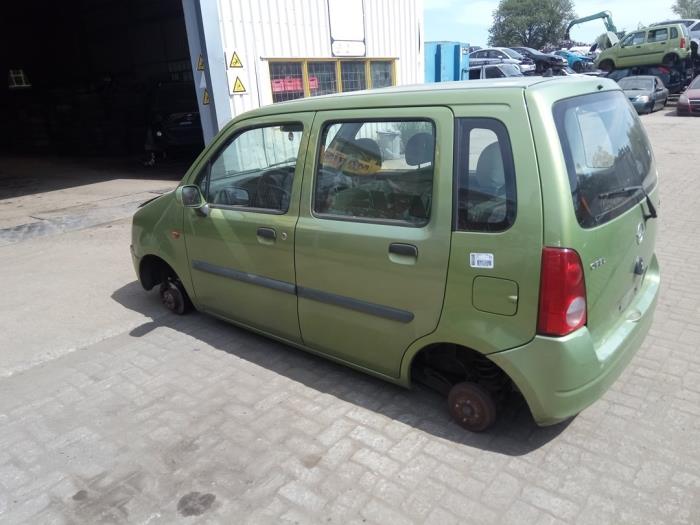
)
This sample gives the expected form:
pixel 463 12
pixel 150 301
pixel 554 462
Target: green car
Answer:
pixel 664 44
pixel 479 237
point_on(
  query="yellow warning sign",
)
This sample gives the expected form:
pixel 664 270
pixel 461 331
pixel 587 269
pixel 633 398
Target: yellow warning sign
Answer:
pixel 205 98
pixel 238 86
pixel 200 63
pixel 235 61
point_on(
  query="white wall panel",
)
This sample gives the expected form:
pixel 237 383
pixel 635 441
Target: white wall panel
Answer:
pixel 262 29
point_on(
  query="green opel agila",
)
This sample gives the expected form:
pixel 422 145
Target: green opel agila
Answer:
pixel 480 238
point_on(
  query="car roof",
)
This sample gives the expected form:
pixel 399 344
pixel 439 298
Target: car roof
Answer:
pixel 434 94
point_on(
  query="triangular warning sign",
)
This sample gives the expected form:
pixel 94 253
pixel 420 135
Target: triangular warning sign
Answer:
pixel 200 63
pixel 238 86
pixel 235 61
pixel 205 98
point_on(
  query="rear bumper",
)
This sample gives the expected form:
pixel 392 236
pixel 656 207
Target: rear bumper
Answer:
pixel 559 377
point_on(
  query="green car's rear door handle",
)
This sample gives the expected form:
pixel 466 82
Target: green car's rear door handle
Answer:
pixel 399 248
pixel 267 233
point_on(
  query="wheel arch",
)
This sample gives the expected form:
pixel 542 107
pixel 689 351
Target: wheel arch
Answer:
pixel 153 269
pixel 414 355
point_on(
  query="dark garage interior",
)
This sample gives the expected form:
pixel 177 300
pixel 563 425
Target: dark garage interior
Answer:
pixel 99 78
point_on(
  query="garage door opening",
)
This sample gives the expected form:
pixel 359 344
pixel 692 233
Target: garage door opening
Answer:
pixel 100 79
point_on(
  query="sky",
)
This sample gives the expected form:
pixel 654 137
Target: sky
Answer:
pixel 469 20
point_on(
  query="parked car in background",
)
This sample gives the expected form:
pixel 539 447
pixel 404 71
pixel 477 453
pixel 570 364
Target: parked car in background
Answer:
pixel 672 79
pixel 576 61
pixel 543 61
pixel 689 101
pixel 668 45
pixel 174 125
pixel 507 245
pixel 507 55
pixel 492 71
pixel 646 93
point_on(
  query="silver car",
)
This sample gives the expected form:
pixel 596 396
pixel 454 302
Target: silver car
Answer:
pixel 505 55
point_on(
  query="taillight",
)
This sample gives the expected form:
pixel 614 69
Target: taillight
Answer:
pixel 682 43
pixel 562 293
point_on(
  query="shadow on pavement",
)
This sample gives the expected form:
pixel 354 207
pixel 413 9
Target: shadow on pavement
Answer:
pixel 514 434
pixel 20 176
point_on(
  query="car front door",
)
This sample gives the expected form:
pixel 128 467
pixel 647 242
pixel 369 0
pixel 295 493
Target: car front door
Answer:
pixel 631 50
pixel 373 236
pixel 241 247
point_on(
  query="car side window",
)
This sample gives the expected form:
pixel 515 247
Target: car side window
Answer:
pixel 254 170
pixel 474 73
pixel 376 171
pixel 493 72
pixel 485 190
pixel 634 39
pixel 674 32
pixel 658 35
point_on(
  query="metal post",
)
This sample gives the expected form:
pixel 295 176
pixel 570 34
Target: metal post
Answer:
pixel 204 40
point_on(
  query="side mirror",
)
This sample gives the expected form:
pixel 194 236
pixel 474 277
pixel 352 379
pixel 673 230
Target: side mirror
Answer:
pixel 192 197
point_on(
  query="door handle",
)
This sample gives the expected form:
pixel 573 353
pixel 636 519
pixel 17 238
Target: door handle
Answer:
pixel 267 233
pixel 400 248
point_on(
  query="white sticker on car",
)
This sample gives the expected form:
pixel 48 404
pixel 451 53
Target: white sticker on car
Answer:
pixel 481 260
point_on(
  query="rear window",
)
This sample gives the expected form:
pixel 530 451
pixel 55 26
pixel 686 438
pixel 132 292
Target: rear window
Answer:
pixel 606 150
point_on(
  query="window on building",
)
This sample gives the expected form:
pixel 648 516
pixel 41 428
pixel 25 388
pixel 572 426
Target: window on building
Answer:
pixel 376 171
pixel 381 72
pixel 322 78
pixel 18 79
pixel 352 75
pixel 287 81
pixel 304 78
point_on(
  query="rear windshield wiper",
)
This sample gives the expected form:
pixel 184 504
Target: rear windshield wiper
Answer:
pixel 632 189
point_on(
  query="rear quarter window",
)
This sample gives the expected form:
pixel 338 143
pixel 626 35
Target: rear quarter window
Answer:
pixel 606 150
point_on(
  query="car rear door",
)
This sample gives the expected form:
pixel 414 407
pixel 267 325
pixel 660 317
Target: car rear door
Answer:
pixel 373 237
pixel 656 45
pixel 495 253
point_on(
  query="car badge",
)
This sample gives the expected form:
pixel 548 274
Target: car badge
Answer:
pixel 641 230
pixel 600 261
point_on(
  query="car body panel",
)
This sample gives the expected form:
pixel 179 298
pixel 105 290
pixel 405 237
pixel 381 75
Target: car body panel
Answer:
pixel 452 302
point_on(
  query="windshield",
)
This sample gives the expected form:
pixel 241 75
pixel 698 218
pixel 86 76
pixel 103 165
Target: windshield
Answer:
pixel 512 54
pixel 637 83
pixel 695 84
pixel 606 149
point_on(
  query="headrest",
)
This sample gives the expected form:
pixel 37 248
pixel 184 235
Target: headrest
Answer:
pixel 419 149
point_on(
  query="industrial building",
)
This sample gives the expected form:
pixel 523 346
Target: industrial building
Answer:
pixel 120 77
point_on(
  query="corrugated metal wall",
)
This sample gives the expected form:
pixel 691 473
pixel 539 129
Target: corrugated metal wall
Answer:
pixel 259 30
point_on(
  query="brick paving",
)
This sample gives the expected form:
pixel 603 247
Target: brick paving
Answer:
pixel 188 419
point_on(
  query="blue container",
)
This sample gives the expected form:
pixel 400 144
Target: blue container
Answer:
pixel 445 61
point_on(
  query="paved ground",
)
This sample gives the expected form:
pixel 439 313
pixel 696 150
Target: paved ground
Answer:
pixel 121 413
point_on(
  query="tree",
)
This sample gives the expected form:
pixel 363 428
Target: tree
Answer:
pixel 687 8
pixel 531 23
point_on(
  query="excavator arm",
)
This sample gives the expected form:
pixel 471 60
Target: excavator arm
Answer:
pixel 606 16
